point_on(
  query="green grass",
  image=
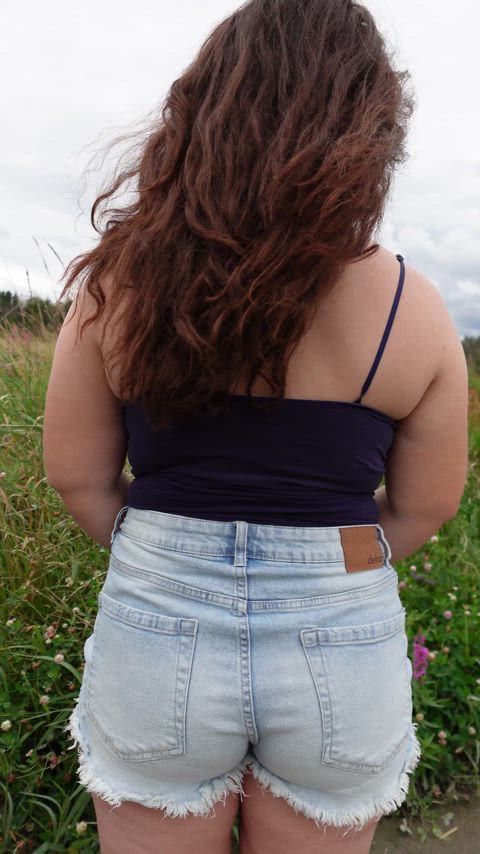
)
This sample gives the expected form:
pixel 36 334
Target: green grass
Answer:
pixel 51 573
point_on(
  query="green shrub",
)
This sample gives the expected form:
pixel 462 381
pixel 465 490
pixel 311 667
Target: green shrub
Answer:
pixel 51 573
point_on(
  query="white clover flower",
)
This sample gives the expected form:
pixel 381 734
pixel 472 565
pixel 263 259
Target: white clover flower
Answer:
pixel 10 622
pixel 59 657
pixel 44 699
pixel 81 826
pixel 434 539
pixel 6 725
pixel 29 753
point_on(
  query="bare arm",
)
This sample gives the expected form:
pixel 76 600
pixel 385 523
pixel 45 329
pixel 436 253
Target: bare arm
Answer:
pixel 427 466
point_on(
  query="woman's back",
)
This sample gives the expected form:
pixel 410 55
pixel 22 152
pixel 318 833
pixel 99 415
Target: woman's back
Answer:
pixel 335 354
pixel 327 480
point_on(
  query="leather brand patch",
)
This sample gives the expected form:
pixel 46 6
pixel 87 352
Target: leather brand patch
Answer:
pixel 361 548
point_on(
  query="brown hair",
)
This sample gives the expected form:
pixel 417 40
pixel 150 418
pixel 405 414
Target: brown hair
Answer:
pixel 267 173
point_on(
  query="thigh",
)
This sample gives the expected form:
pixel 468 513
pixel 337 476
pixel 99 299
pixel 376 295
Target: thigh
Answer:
pixel 268 824
pixel 133 828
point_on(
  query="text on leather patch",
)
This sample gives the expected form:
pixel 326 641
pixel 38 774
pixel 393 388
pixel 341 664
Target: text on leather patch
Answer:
pixel 361 548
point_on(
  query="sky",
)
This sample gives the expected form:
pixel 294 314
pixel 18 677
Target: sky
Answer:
pixel 76 75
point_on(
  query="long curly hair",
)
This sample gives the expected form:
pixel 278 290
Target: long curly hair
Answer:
pixel 265 175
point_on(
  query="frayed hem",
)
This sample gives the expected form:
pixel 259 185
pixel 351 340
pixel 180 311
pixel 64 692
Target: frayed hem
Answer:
pixel 354 818
pixel 210 792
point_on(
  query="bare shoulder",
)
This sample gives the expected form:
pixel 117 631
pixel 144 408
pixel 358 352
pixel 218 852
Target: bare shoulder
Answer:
pixel 109 321
pixel 105 327
pixel 424 317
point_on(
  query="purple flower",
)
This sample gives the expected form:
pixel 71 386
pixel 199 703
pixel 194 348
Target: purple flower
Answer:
pixel 420 656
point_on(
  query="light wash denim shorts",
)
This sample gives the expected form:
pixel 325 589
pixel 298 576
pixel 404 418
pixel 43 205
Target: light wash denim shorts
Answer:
pixel 225 645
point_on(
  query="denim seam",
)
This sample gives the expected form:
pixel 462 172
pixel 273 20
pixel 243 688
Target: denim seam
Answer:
pixel 256 555
pixel 253 605
pixel 208 522
pixel 119 611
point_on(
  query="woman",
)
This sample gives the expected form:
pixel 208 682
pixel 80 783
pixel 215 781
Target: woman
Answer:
pixel 249 650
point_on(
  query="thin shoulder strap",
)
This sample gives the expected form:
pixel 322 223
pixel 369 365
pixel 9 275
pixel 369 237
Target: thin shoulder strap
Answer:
pixel 387 329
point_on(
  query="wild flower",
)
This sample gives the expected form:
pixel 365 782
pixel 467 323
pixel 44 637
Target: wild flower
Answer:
pixel 448 615
pixel 81 826
pixel 420 656
pixel 5 726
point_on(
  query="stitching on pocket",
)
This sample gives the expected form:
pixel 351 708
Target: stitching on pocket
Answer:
pixel 139 680
pixel 362 694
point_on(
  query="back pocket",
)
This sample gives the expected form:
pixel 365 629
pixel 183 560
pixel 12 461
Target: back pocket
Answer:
pixel 138 684
pixel 362 681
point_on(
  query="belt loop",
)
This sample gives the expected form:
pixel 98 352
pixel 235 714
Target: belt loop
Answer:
pixel 116 526
pixel 385 542
pixel 240 558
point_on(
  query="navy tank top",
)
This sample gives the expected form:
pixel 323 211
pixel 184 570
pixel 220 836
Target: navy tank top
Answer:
pixel 309 463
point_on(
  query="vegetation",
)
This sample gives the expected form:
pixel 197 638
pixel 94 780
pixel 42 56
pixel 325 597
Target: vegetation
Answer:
pixel 51 573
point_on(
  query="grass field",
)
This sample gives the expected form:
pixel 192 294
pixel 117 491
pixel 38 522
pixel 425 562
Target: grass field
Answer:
pixel 51 573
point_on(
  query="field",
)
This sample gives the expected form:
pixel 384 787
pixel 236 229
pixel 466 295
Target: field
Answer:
pixel 51 573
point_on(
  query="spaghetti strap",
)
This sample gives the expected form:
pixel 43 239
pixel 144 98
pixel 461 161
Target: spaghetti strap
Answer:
pixel 387 329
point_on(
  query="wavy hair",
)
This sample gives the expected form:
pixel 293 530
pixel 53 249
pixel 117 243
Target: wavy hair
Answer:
pixel 267 172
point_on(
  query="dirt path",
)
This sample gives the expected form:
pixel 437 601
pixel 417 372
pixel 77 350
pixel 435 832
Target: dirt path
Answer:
pixel 461 832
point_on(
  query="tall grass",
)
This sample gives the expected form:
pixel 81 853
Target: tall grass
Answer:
pixel 51 573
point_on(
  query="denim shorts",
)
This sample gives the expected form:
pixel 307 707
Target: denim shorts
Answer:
pixel 222 646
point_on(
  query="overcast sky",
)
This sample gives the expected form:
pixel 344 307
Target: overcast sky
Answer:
pixel 75 75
